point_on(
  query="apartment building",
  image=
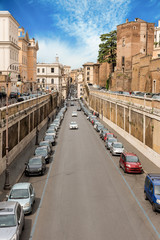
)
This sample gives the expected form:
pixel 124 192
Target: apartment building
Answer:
pixel 49 76
pixel 88 73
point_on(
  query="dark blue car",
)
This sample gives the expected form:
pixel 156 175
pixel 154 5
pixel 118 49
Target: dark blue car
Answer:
pixel 152 190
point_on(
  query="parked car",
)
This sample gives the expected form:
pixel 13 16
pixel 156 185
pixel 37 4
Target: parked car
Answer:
pixel 130 163
pixel 110 141
pixel 72 104
pixel 13 95
pixel 73 125
pixel 50 138
pixel 152 190
pixel 35 166
pixel 116 148
pixel 74 114
pixel 11 220
pixel 51 131
pixel 2 95
pixel 24 194
pixel 43 151
pixel 46 143
pixel 108 134
pixel 79 109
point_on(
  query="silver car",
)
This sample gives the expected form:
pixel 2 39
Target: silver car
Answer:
pixel 11 220
pixel 24 194
pixel 73 125
pixel 110 141
pixel 116 148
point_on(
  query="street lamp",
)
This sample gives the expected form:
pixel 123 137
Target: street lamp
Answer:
pixel 7 184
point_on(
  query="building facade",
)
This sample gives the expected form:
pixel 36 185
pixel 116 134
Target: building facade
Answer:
pixel 80 85
pixel 66 80
pixel 88 73
pixel 32 64
pixel 136 37
pixel 156 51
pixel 49 76
pixel 9 50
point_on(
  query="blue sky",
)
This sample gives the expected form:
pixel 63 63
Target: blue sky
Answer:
pixel 71 28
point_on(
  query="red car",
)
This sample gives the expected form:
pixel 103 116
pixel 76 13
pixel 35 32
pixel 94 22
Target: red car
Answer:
pixel 106 135
pixel 130 163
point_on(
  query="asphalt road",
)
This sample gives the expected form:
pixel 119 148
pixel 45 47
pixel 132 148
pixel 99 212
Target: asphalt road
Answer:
pixel 84 195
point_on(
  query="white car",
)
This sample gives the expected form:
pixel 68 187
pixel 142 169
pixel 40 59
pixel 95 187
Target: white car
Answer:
pixel 73 125
pixel 116 148
pixel 74 114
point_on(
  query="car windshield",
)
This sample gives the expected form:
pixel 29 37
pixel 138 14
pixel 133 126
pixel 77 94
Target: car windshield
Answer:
pixel 132 159
pixel 42 152
pixel 112 140
pixel 51 131
pixel 19 194
pixel 35 161
pixel 118 145
pixel 7 220
pixel 50 137
pixel 157 190
pixel 44 144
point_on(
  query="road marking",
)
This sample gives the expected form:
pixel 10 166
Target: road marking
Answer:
pixel 134 196
pixel 37 215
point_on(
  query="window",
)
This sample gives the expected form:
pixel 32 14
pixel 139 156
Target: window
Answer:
pixel 159 55
pixel 87 73
pixel 123 42
pixel 43 80
pixel 42 70
pixel 88 68
pixel 38 80
pixel 134 27
pixel 151 188
pixel 38 70
pixel 87 78
pixel 123 60
pixel 147 182
pixel 52 81
pixel 52 70
pixel 144 50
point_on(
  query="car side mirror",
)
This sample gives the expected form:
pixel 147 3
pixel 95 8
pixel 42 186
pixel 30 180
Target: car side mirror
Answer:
pixel 26 163
pixel 32 195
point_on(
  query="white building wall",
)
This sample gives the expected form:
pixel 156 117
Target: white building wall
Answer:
pixel 9 49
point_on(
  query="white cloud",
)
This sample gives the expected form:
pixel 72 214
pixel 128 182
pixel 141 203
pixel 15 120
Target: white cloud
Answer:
pixel 85 20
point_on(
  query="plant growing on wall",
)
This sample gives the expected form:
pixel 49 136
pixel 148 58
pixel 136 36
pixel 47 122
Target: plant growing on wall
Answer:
pixel 108 82
pixel 108 48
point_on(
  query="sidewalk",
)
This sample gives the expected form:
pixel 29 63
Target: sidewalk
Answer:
pixel 17 167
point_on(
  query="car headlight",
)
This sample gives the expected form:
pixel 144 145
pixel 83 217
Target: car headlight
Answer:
pixel 14 237
pixel 27 205
pixel 140 165
pixel 158 201
pixel 128 165
pixel 46 157
pixel 39 169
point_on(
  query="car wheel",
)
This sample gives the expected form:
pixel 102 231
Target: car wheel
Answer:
pixel 26 174
pixel 42 172
pixel 145 196
pixel 154 207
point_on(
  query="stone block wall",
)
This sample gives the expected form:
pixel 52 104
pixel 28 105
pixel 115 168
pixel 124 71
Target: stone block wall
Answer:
pixel 136 121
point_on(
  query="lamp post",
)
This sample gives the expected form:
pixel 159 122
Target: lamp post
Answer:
pixel 7 184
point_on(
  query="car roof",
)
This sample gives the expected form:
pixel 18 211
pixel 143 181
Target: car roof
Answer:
pixel 155 177
pixel 23 185
pixel 42 147
pixel 7 204
pixel 129 154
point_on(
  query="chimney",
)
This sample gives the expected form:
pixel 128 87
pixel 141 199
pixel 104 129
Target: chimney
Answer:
pixel 127 20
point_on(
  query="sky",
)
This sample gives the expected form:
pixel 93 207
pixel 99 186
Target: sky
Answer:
pixel 71 29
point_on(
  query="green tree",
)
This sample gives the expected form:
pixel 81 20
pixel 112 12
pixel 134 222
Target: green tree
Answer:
pixel 108 48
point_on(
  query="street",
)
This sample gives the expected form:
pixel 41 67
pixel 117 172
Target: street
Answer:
pixel 84 194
